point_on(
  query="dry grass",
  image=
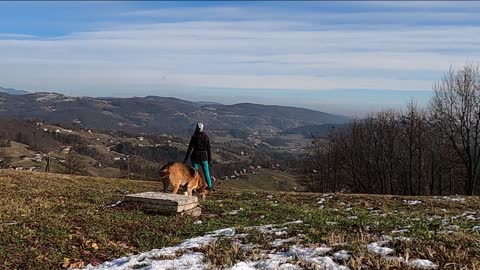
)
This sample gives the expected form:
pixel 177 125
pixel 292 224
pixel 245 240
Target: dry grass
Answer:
pixel 223 253
pixel 52 221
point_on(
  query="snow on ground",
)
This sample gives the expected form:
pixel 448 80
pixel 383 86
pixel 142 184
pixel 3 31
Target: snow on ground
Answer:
pixel 235 212
pixel 114 205
pixel 150 259
pixel 412 202
pixel 280 242
pixel 188 255
pixel 285 260
pixel 402 230
pixel 342 255
pixel 452 198
pixel 380 248
pixel 422 264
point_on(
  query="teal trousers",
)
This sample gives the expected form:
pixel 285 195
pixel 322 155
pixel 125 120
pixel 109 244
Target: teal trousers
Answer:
pixel 206 170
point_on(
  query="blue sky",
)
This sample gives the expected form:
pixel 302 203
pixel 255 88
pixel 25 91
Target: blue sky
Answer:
pixel 344 57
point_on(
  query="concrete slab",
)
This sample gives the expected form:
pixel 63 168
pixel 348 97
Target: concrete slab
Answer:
pixel 167 202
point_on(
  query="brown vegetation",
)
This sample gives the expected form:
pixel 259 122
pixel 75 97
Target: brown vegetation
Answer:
pixel 434 151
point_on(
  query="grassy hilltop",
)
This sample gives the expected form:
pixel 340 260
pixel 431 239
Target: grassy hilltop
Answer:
pixel 53 221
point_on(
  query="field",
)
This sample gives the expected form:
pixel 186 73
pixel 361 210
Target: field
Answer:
pixel 53 221
pixel 264 179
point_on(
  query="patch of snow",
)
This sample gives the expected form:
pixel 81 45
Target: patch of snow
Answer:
pixel 289 266
pixel 279 242
pixel 247 246
pixel 394 259
pixel 197 222
pixel 403 238
pixel 292 222
pixel 235 212
pixel 386 238
pixel 114 205
pixel 476 228
pixel 189 260
pixel 243 266
pixel 468 213
pixel 412 202
pixel 454 199
pixel 422 264
pixel 470 217
pixel 281 260
pixel 403 230
pixel 273 261
pixel 342 255
pixel 326 263
pixel 240 235
pixel 322 250
pixel 380 248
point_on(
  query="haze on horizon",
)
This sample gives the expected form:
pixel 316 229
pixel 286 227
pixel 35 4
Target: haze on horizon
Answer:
pixel 340 57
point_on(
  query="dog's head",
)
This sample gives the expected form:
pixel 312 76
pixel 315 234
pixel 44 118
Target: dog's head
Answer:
pixel 205 192
pixel 202 186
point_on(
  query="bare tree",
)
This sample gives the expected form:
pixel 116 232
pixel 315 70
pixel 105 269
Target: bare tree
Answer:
pixel 456 110
pixel 73 163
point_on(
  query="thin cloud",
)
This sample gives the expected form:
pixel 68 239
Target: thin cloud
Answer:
pixel 15 36
pixel 279 50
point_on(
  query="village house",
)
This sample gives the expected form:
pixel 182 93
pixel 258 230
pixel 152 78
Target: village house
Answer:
pixel 37 157
pixel 66 150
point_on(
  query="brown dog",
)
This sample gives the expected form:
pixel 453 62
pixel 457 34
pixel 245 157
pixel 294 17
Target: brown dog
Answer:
pixel 178 174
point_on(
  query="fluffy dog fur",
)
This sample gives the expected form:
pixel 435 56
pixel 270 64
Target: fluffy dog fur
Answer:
pixel 179 174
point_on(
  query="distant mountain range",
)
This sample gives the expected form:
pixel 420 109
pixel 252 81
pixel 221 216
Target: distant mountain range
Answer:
pixel 154 114
pixel 13 91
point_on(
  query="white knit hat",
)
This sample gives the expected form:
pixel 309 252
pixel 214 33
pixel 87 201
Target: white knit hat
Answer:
pixel 200 126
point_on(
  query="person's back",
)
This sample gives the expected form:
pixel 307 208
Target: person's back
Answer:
pixel 199 152
pixel 201 145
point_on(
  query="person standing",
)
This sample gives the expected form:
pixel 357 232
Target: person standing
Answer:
pixel 199 153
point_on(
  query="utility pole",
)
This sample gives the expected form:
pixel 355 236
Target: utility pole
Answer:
pixel 47 168
pixel 128 166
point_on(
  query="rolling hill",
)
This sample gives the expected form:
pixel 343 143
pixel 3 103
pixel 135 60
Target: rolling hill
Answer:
pixel 153 114
pixel 13 91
